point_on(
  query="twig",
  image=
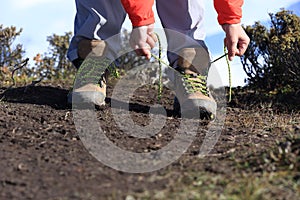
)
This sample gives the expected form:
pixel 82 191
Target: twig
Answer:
pixel 33 83
pixel 21 65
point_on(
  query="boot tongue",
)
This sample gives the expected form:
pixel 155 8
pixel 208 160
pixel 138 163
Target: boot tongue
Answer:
pixel 189 72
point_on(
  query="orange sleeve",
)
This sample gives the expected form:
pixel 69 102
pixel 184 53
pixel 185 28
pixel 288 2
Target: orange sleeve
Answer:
pixel 140 11
pixel 229 11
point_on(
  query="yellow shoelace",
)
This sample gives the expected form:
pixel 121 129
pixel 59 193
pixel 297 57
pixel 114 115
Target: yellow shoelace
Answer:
pixel 201 84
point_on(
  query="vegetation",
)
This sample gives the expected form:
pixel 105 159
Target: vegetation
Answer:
pixel 52 65
pixel 272 60
pixel 55 64
pixel 9 55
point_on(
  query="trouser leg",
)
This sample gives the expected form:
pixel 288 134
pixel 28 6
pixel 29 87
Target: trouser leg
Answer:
pixel 97 20
pixel 184 24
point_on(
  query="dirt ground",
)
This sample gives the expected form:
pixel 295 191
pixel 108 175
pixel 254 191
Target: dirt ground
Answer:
pixel 42 157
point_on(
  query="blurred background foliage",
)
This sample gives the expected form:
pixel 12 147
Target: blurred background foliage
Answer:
pixel 52 65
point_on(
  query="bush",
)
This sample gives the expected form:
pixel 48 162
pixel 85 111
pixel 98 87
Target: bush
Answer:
pixel 10 55
pixel 272 59
pixel 55 64
pixel 52 65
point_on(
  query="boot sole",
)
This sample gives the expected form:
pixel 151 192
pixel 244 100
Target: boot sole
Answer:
pixel 195 108
pixel 96 98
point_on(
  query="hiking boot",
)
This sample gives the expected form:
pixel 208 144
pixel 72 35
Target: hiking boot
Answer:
pixel 91 78
pixel 192 94
pixel 89 91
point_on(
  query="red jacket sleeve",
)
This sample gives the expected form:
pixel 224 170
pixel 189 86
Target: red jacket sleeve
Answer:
pixel 140 11
pixel 229 11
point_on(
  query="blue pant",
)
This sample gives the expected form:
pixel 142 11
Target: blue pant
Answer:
pixel 102 19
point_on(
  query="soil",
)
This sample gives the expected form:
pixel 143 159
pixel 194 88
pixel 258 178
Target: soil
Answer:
pixel 43 157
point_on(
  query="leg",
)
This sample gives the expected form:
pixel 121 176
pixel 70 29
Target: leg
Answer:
pixel 187 53
pixel 186 18
pixel 95 21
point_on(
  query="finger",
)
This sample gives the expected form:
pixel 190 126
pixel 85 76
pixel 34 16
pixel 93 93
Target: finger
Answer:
pixel 143 51
pixel 232 49
pixel 243 44
pixel 242 49
pixel 148 55
pixel 154 37
pixel 151 42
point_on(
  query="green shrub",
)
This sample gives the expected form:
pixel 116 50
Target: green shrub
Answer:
pixel 272 60
pixel 10 55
